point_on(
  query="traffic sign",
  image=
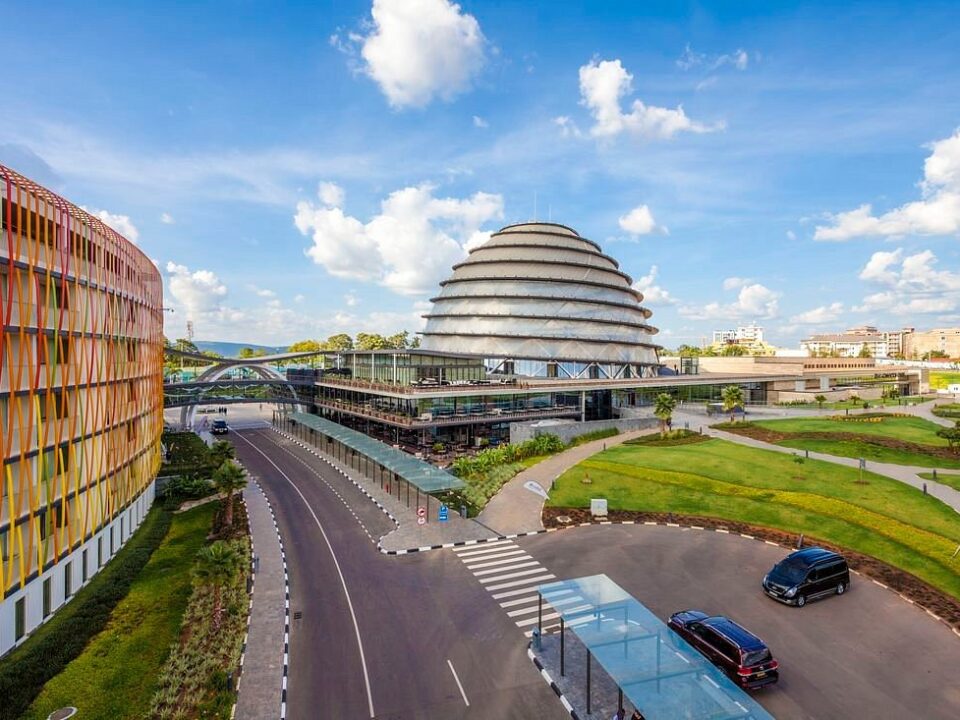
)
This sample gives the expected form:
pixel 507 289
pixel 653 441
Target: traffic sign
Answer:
pixel 421 511
pixel 442 513
pixel 421 521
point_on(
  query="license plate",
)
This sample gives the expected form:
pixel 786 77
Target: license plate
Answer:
pixel 760 675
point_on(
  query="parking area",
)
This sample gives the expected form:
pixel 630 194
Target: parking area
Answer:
pixel 867 654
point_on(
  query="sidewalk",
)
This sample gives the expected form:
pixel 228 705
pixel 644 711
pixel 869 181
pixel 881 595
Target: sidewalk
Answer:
pixel 259 690
pixel 906 474
pixel 515 509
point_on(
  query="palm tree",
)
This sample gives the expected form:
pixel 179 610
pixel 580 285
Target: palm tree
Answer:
pixel 216 567
pixel 663 407
pixel 821 399
pixel 732 399
pixel 228 479
pixel 221 451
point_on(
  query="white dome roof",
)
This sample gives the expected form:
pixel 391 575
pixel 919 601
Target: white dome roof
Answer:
pixel 540 291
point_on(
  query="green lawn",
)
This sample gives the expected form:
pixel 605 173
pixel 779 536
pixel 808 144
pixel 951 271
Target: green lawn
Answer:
pixel 939 380
pixel 858 405
pixel 908 429
pixel 950 479
pixel 883 518
pixel 911 429
pixel 116 675
pixel 948 410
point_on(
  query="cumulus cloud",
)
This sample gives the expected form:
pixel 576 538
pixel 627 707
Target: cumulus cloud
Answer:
pixel 911 284
pixel 754 301
pixel 653 294
pixel 733 283
pixel 121 223
pixel 602 85
pixel 417 50
pixel 936 213
pixel 350 300
pixel 199 293
pixel 819 316
pixel 639 221
pixel 262 292
pixel 480 122
pixel 408 247
pixel 167 219
pixel 331 194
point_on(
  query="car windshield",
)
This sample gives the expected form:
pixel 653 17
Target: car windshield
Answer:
pixel 788 571
pixel 755 657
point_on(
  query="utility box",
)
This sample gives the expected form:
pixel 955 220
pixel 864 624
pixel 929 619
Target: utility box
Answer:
pixel 598 507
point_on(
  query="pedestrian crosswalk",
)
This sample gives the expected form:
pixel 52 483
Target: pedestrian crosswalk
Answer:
pixel 512 577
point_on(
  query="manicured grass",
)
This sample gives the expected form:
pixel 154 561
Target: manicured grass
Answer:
pixel 911 429
pixel 876 453
pixel 948 410
pixel 950 479
pixel 883 518
pixel 939 380
pixel 858 405
pixel 116 675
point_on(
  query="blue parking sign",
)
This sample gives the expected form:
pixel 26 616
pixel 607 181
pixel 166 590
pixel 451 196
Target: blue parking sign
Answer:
pixel 442 513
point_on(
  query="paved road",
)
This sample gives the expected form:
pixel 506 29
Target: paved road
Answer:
pixel 868 654
pixel 415 616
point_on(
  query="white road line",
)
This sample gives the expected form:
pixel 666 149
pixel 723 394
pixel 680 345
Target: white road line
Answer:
pixel 514 583
pixel 353 615
pixel 499 556
pixel 533 621
pixel 477 545
pixel 511 575
pixel 459 685
pixel 534 607
pixel 519 601
pixel 487 551
pixel 482 562
pixel 516 566
pixel 511 593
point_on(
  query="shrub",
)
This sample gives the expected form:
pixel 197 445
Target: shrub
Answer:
pixel 24 672
pixel 186 487
pixel 595 435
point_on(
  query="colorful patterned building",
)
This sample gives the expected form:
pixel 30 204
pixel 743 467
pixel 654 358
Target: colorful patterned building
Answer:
pixel 81 398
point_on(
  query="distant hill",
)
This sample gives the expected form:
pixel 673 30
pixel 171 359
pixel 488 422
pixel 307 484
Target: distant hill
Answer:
pixel 232 349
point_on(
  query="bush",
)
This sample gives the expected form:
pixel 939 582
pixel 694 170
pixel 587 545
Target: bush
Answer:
pixel 674 437
pixel 186 487
pixel 595 435
pixel 24 672
pixel 188 455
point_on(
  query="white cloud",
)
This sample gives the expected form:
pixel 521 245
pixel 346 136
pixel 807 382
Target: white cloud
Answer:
pixel 653 294
pixel 350 300
pixel 936 213
pixel 167 219
pixel 639 221
pixel 791 235
pixel 199 294
pixel 408 247
pixel 331 194
pixel 568 128
pixel 480 122
pixel 819 316
pixel 912 284
pixel 754 301
pixel 421 49
pixel 603 83
pixel 734 283
pixel 298 298
pixel 262 292
pixel 121 223
pixel 690 59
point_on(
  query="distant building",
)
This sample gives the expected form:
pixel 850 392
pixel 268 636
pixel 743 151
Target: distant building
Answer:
pixel 855 342
pixel 749 337
pixel 939 340
pixel 905 343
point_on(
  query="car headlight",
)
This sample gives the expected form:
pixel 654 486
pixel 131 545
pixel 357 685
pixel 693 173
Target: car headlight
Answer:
pixel 791 592
pixel 765 578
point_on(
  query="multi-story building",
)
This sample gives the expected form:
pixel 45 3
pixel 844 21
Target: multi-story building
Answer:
pixel 81 396
pixel 852 343
pixel 943 341
pixel 749 337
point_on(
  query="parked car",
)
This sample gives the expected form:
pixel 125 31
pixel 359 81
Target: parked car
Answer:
pixel 807 574
pixel 739 653
pixel 219 427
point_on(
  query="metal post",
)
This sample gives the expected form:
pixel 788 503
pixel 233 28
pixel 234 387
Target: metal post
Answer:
pixel 540 612
pixel 561 646
pixel 589 654
pixel 619 699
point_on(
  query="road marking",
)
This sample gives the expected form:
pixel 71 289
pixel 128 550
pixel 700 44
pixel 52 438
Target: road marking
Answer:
pixel 519 601
pixel 511 593
pixel 343 582
pixel 524 563
pixel 512 583
pixel 486 551
pixel 459 685
pixel 511 575
pixel 500 562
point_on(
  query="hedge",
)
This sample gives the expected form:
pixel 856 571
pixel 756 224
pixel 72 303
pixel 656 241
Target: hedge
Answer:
pixel 24 671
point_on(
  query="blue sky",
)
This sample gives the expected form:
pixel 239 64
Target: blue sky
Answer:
pixel 301 169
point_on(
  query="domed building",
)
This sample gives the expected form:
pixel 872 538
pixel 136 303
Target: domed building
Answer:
pixel 539 300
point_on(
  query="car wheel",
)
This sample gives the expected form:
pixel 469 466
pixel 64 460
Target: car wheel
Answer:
pixel 801 600
pixel 841 588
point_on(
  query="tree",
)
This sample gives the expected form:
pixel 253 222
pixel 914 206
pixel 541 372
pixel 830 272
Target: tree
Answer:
pixel 951 435
pixel 248 352
pixel 338 342
pixel 370 341
pixel 221 451
pixel 217 566
pixel 415 343
pixel 865 351
pixel 305 346
pixel 228 479
pixel 733 351
pixel 821 399
pixel 663 407
pixel 732 399
pixel 688 351
pixel 399 340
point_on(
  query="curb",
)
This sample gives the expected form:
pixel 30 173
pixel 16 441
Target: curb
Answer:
pixel 246 634
pixel 553 686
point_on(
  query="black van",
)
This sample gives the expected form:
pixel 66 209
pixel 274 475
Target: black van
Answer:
pixel 807 574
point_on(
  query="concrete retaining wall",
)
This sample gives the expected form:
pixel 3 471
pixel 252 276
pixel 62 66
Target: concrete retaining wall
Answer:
pixel 519 432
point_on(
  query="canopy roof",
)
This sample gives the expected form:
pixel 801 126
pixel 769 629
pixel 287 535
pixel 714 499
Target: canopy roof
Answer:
pixel 416 472
pixel 658 671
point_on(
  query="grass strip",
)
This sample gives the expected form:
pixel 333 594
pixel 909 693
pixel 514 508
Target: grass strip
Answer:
pixel 47 652
pixel 948 479
pixel 116 675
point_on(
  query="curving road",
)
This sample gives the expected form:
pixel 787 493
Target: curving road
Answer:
pixel 432 640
